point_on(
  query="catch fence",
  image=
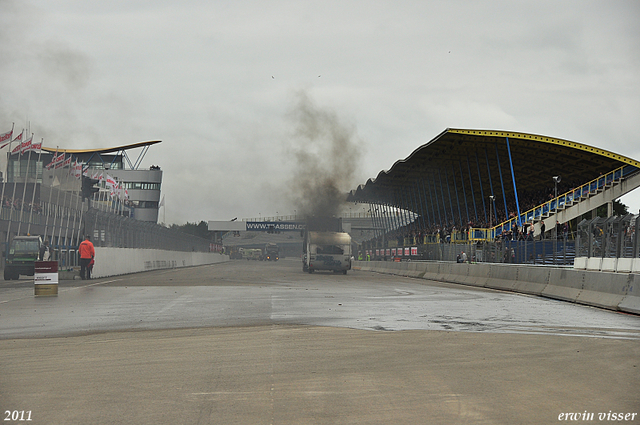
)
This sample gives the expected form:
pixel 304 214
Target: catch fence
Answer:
pixel 62 218
pixel 613 237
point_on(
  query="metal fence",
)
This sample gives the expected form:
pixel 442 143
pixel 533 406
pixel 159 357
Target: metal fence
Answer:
pixel 549 251
pixel 112 230
pixel 61 217
pixel 613 237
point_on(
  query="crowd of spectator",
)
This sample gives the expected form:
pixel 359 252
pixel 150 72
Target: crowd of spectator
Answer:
pixel 421 231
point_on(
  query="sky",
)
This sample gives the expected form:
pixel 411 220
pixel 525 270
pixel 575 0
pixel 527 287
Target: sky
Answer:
pixel 221 84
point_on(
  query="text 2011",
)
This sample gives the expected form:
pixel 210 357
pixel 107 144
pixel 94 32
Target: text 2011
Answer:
pixel 17 415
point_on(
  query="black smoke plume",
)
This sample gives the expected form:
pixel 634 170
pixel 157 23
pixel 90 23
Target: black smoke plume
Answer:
pixel 327 152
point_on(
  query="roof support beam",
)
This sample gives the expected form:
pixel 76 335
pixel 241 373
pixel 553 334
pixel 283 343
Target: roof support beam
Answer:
pixel 464 191
pixel 504 197
pixel 486 154
pixel 444 205
pixel 473 195
pixel 484 207
pixel 422 206
pixel 455 189
pixel 513 177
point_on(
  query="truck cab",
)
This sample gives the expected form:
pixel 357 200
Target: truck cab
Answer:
pixel 271 252
pixel 22 256
pixel 327 251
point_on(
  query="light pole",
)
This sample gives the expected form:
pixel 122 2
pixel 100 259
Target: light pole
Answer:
pixel 556 180
pixel 491 199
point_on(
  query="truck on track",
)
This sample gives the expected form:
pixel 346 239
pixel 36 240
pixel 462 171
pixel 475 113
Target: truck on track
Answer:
pixel 251 253
pixel 325 246
pixel 21 257
pixel 234 252
pixel 271 252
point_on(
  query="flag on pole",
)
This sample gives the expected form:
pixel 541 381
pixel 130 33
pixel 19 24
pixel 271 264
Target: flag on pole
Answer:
pixel 161 204
pixel 76 169
pixel 18 139
pixel 26 145
pixel 55 160
pixel 111 182
pixel 59 160
pixel 36 146
pixel 5 138
pixel 64 163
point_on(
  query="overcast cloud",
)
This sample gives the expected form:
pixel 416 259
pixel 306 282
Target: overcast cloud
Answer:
pixel 217 82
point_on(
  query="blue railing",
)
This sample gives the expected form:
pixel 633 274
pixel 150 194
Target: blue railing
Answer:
pixel 552 206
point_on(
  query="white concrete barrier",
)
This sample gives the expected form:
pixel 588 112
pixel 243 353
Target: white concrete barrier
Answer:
pixel 478 274
pixel 594 263
pixel 503 276
pixel 580 263
pixel 457 272
pixel 604 289
pixel 610 290
pixel 532 280
pixel 631 302
pixel 624 265
pixel 432 270
pixel 117 261
pixel 618 265
pixel 564 284
pixel 609 264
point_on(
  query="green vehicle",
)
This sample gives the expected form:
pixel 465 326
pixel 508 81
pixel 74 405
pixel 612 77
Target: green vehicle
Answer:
pixel 22 255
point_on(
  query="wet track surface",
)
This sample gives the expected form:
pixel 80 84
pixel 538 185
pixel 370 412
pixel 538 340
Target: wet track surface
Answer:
pixel 243 293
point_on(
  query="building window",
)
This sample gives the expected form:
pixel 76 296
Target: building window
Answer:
pixel 141 185
pixel 17 170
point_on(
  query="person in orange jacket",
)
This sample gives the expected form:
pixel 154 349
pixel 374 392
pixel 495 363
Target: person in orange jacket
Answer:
pixel 87 253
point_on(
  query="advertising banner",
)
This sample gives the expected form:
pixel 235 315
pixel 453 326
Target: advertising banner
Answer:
pixel 277 226
pixel 45 278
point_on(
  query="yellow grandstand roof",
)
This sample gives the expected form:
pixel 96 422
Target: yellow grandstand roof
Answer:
pixel 466 164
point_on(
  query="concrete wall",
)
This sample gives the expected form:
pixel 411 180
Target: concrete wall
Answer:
pixel 618 265
pixel 116 261
pixel 610 290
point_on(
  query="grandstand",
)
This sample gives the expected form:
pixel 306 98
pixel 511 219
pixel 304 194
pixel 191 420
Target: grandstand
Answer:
pixel 484 185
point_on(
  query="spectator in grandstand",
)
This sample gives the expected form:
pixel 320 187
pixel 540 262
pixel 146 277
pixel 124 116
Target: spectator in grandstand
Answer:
pixel 525 232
